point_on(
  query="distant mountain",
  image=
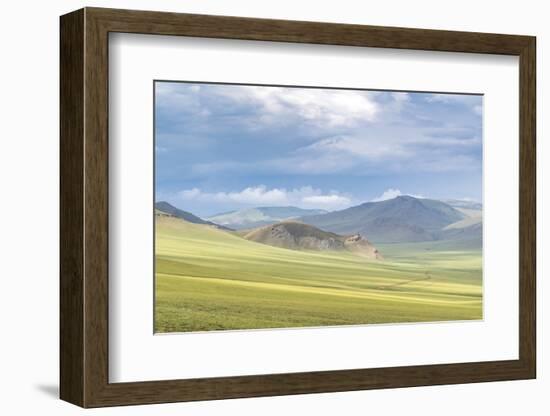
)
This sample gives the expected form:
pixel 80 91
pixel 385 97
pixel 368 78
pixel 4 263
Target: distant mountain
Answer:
pixel 472 217
pixel 256 217
pixel 472 231
pixel 298 236
pixel 468 229
pixel 163 208
pixel 460 203
pixel 401 219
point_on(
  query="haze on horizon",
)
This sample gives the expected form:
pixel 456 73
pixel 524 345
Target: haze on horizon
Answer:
pixel 222 147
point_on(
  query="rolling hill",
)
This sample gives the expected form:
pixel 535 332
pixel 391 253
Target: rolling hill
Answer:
pixel 256 217
pixel 397 220
pixel 208 279
pixel 473 231
pixel 164 207
pixel 469 230
pixel 298 236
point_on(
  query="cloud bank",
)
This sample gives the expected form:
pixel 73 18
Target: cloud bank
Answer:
pixel 275 105
pixel 304 197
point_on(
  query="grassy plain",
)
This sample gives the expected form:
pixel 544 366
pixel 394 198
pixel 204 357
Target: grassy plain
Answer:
pixel 208 279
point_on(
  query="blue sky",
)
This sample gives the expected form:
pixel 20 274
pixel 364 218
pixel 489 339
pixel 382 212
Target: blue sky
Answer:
pixel 224 147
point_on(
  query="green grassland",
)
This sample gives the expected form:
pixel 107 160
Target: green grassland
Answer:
pixel 209 279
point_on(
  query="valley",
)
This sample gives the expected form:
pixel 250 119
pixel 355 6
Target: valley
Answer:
pixel 212 278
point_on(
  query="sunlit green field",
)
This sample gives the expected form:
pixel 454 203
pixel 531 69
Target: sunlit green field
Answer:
pixel 207 279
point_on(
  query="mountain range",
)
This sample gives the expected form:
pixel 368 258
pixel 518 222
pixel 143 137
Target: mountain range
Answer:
pixel 165 208
pixel 256 217
pixel 403 219
pixel 397 220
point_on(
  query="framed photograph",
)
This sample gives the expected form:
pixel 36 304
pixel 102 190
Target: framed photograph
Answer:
pixel 254 207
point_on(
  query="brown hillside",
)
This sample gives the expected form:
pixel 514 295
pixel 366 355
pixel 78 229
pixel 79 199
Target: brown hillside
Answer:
pixel 298 236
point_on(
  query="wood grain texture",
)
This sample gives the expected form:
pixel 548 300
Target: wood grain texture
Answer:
pixel 71 208
pixel 162 23
pixel 528 207
pixel 84 207
pixel 96 208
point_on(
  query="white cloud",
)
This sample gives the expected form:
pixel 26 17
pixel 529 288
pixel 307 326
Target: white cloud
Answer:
pixel 392 193
pixel 387 194
pixel 304 197
pixel 259 195
pixel 401 96
pixel 319 131
pixel 327 201
pixel 249 196
pixel 327 107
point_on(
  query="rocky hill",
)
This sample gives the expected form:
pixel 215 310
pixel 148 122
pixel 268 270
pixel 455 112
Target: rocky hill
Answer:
pixel 299 236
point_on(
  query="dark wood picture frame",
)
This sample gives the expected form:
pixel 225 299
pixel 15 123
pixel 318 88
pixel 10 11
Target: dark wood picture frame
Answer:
pixel 84 207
